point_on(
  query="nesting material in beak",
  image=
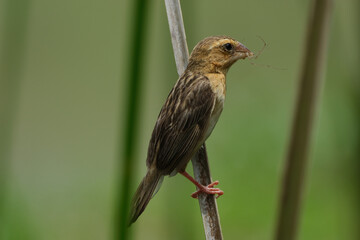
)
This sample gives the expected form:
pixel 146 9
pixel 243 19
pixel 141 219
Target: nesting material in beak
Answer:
pixel 243 51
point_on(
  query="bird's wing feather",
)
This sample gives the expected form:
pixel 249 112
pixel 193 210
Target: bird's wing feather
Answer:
pixel 182 123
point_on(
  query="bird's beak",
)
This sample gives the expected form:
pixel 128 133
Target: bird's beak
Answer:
pixel 243 52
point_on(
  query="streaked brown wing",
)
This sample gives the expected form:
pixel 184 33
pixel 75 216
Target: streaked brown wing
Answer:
pixel 182 123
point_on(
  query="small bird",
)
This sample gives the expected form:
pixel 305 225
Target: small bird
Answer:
pixel 188 117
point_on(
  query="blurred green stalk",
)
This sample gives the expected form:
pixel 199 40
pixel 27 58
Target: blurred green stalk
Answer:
pixel 356 90
pixel 134 76
pixel 311 84
pixel 13 39
pixel 357 100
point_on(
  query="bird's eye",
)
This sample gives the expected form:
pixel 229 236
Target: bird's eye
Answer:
pixel 228 46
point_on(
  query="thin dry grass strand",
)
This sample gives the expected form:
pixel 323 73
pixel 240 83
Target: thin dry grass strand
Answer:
pixel 261 50
pixel 255 56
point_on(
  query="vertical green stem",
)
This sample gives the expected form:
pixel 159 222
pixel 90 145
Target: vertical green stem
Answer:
pixel 134 76
pixel 308 99
pixel 13 38
pixel 356 94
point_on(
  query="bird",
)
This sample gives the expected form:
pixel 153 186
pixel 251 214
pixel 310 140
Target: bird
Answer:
pixel 188 117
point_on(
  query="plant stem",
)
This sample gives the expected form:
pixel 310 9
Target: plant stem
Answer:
pixel 137 42
pixel 178 37
pixel 13 48
pixel 311 84
pixel 201 169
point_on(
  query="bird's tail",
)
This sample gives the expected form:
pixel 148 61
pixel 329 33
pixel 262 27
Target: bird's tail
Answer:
pixel 147 188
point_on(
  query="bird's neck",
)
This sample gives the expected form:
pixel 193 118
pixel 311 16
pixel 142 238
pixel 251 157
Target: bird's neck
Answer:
pixel 204 67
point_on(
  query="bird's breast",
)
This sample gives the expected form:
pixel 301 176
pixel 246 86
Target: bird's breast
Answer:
pixel 218 85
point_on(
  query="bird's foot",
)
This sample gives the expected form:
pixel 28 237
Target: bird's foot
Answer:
pixel 209 189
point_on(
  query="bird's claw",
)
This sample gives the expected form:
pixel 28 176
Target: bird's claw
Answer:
pixel 209 189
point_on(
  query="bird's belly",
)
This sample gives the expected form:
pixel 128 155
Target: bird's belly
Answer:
pixel 215 115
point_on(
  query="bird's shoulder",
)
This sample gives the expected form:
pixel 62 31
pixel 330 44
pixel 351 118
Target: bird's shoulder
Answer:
pixel 191 92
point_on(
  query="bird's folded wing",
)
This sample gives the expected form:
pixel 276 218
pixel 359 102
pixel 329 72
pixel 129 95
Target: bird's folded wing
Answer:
pixel 181 124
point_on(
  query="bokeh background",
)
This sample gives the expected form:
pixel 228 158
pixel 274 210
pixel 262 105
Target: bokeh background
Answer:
pixel 63 91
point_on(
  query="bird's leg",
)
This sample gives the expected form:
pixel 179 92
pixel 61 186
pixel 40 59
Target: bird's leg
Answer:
pixel 209 189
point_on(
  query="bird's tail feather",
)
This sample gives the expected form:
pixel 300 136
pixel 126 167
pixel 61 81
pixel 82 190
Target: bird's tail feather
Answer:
pixel 147 188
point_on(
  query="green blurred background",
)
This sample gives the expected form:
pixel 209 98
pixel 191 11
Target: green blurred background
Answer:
pixel 63 99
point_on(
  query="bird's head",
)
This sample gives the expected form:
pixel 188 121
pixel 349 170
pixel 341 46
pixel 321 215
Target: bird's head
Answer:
pixel 217 54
